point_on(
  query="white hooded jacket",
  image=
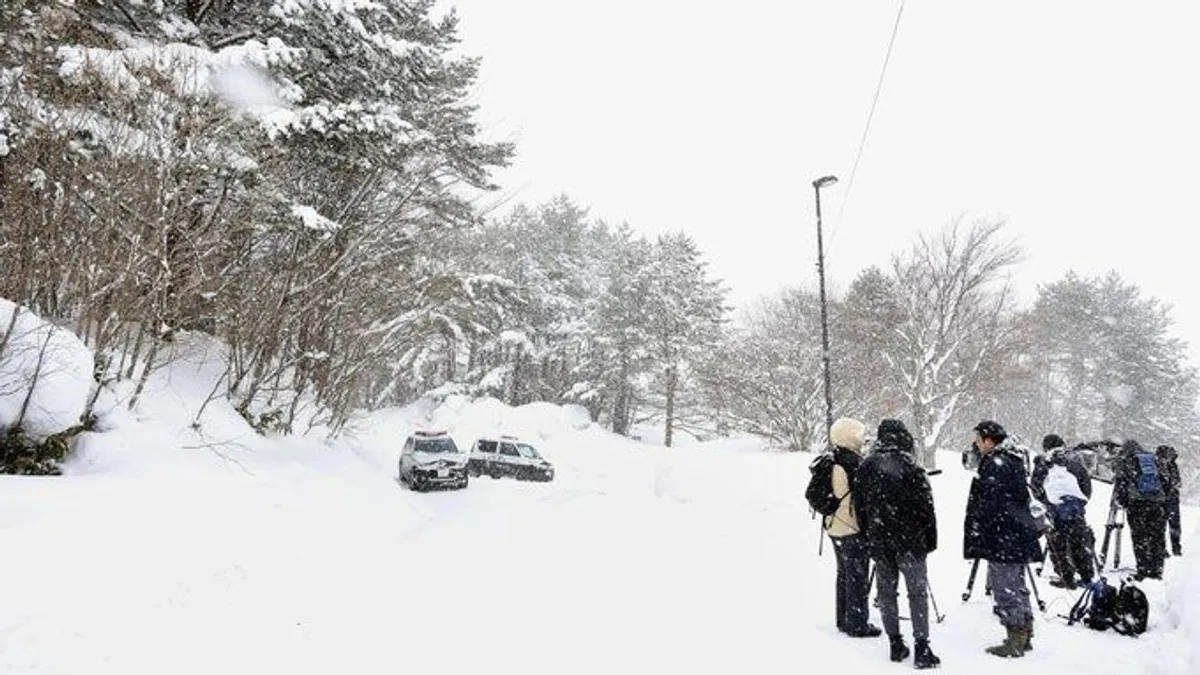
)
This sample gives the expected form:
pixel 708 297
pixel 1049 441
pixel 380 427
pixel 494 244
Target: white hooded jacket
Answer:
pixel 1060 483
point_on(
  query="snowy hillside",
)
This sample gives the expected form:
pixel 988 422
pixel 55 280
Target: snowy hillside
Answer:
pixel 166 549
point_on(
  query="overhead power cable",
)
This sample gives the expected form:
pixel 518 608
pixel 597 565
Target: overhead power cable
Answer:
pixel 867 129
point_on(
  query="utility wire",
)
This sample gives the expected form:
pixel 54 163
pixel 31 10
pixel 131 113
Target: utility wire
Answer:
pixel 866 130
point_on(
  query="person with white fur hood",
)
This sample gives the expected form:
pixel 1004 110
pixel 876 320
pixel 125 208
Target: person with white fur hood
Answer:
pixel 849 543
pixel 1062 483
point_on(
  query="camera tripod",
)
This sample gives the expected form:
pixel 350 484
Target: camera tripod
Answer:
pixel 988 591
pixel 1115 522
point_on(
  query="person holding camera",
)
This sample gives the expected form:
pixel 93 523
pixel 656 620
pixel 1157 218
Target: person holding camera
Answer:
pixel 1061 482
pixel 1000 528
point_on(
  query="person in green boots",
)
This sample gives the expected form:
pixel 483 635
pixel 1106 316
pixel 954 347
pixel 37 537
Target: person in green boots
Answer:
pixel 1000 529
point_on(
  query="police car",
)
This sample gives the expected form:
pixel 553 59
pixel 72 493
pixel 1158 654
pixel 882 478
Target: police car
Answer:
pixel 502 456
pixel 432 459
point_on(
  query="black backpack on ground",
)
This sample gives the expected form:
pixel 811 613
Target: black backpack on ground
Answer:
pixel 1133 610
pixel 1101 606
pixel 819 492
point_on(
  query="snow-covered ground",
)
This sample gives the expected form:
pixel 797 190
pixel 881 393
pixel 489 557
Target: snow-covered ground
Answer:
pixel 168 550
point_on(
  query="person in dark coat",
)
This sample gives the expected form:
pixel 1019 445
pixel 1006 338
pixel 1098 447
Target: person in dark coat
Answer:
pixel 1169 459
pixel 1060 480
pixel 1138 487
pixel 1000 529
pixel 895 510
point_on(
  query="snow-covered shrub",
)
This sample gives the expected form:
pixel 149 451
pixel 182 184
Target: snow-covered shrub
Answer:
pixel 45 379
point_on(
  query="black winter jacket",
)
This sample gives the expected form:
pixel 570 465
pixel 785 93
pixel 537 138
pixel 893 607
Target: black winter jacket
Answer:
pixel 999 526
pixel 895 504
pixel 1172 479
pixel 1127 471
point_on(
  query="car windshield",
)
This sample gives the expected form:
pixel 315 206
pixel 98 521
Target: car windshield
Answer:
pixel 528 451
pixel 433 445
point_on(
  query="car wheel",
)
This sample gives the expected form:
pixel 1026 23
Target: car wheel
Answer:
pixel 416 484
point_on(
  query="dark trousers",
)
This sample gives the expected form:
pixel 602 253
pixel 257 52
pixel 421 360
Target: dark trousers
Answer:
pixel 853 581
pixel 1010 594
pixel 1174 528
pixel 916 581
pixel 1072 549
pixel 1147 523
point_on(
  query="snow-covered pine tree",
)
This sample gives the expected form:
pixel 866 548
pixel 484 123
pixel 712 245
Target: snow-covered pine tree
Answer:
pixel 686 311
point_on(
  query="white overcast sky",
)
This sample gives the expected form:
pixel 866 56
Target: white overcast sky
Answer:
pixel 1075 122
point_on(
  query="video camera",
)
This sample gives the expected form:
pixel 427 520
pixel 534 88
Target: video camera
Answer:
pixel 1101 458
pixel 971 456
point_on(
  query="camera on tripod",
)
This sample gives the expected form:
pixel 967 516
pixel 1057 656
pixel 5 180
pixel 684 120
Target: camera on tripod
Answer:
pixel 1100 458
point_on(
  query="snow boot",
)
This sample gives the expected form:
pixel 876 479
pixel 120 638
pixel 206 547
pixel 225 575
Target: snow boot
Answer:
pixel 924 657
pixel 899 650
pixel 869 630
pixel 1028 646
pixel 1013 646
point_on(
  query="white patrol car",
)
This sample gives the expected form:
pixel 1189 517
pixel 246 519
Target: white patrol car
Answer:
pixel 508 456
pixel 432 459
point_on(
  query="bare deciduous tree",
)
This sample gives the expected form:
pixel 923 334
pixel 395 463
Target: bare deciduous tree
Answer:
pixel 954 296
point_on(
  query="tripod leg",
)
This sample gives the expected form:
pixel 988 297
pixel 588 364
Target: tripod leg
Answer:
pixel 1033 584
pixel 1117 550
pixel 933 601
pixel 1102 558
pixel 971 580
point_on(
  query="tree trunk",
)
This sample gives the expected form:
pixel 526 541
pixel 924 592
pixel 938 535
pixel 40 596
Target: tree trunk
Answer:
pixel 672 385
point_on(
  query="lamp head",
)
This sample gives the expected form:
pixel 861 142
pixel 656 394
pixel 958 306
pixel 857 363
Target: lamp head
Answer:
pixel 825 181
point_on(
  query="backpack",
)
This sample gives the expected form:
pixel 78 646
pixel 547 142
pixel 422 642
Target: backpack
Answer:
pixel 1133 610
pixel 1101 606
pixel 1149 483
pixel 1096 607
pixel 1041 517
pixel 819 492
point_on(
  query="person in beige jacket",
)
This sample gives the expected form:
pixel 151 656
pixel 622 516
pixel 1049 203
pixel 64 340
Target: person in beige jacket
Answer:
pixel 849 543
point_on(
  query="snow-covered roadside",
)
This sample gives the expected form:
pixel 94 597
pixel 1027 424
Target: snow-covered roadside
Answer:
pixel 170 549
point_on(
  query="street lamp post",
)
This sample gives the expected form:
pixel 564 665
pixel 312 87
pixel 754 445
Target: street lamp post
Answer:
pixel 819 183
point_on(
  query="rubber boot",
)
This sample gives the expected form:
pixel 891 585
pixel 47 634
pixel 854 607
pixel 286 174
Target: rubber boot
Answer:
pixel 924 657
pixel 1013 646
pixel 899 650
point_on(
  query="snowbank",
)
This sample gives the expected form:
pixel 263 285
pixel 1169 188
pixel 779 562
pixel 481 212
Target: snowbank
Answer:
pixel 45 364
pixel 1182 610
